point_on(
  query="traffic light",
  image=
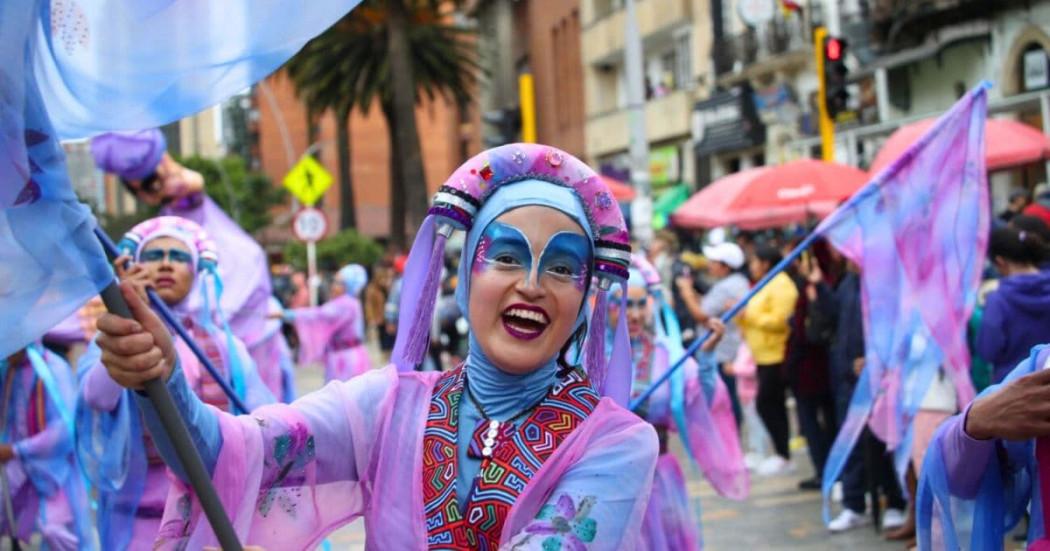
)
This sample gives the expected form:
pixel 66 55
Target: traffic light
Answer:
pixel 506 126
pixel 836 95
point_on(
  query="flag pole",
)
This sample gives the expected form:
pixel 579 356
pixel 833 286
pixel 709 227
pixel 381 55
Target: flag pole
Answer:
pixel 732 312
pixel 179 435
pixel 162 309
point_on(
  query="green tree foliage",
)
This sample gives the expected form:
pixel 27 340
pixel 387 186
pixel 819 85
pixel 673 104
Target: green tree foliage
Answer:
pixel 245 195
pixel 334 252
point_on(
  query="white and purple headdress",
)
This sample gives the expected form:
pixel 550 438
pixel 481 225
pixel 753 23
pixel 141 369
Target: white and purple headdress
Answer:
pixel 202 248
pixel 456 206
pixel 202 302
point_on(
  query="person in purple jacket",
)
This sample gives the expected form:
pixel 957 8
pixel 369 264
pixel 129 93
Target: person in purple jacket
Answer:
pixel 990 465
pixel 1017 314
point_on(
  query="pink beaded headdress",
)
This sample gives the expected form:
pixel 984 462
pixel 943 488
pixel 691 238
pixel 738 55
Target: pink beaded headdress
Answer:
pixel 455 206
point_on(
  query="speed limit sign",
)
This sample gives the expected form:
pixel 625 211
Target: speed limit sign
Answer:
pixel 310 224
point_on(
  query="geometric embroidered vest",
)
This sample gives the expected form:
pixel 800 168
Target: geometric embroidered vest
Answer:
pixel 519 452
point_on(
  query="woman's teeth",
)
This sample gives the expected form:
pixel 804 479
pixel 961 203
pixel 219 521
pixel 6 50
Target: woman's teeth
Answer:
pixel 528 315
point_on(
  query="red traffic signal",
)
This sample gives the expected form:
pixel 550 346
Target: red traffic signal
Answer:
pixel 833 49
pixel 836 92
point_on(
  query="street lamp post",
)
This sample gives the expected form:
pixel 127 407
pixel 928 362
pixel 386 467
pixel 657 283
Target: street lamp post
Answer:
pixel 642 206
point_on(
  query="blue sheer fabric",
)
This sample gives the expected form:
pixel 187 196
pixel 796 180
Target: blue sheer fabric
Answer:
pixel 74 68
pixel 109 447
pixel 131 64
pixel 50 263
pixel 1005 490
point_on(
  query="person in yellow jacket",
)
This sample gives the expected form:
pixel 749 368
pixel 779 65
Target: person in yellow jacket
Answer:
pixel 766 327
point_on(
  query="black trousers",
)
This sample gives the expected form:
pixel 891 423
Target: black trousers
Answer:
pixel 816 421
pixel 734 399
pixel 772 388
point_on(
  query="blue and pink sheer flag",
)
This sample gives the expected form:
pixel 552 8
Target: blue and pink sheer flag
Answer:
pixel 76 68
pixel 919 232
pixel 50 263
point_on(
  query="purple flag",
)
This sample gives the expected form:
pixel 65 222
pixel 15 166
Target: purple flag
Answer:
pixel 919 232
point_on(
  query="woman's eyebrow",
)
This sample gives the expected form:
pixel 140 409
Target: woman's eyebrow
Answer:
pixel 496 229
pixel 568 242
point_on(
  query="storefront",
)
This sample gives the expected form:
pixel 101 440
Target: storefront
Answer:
pixel 728 135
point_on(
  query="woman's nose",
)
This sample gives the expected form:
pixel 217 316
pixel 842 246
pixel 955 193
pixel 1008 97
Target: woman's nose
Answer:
pixel 530 287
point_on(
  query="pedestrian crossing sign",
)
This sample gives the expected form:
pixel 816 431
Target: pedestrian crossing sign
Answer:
pixel 308 180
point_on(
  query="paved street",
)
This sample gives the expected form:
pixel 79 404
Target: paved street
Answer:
pixel 777 516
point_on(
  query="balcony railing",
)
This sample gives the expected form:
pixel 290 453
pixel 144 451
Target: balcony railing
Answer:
pixel 759 44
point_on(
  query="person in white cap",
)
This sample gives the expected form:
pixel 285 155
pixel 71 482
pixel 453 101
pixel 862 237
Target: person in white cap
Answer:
pixel 725 260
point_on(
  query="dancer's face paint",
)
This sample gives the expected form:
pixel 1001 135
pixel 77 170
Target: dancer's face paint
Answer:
pixel 639 310
pixel 529 277
pixel 171 279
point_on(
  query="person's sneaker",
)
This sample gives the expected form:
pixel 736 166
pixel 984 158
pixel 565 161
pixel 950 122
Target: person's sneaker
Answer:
pixel 848 520
pixel 775 465
pixel 752 460
pixel 893 518
pixel 809 484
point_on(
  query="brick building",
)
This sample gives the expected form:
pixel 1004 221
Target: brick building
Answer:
pixel 447 137
pixel 541 37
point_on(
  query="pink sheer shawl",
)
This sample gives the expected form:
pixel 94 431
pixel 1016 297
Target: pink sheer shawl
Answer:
pixel 374 424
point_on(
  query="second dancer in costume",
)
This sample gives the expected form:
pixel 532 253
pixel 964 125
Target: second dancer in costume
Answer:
pixel 335 331
pixel 176 258
pixel 694 404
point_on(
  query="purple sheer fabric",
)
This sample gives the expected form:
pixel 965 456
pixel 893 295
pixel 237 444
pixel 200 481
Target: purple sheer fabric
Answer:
pixel 290 474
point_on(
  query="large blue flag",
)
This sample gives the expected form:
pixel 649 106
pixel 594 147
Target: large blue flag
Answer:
pixel 75 68
pixel 919 231
pixel 50 263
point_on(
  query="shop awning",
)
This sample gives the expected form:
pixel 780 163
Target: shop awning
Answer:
pixel 667 202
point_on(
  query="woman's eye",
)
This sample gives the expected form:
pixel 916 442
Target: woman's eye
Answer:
pixel 561 270
pixel 506 259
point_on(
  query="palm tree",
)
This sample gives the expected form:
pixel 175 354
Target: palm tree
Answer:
pixel 326 87
pixel 361 59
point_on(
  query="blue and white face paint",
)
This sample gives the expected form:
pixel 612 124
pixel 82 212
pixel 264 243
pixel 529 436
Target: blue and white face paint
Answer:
pixel 565 259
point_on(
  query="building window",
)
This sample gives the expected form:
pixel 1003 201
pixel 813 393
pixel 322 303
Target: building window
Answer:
pixel 669 68
pixel 1035 69
pixel 684 66
pixel 605 8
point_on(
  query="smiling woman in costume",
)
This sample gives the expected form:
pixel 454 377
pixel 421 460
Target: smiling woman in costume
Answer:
pixel 517 447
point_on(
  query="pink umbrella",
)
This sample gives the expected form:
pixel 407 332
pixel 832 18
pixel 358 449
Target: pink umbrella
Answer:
pixel 1007 144
pixel 771 196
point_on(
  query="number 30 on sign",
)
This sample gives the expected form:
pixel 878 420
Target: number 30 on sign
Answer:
pixel 310 224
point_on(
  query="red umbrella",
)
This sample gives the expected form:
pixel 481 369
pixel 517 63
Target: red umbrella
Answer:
pixel 1007 144
pixel 621 191
pixel 771 196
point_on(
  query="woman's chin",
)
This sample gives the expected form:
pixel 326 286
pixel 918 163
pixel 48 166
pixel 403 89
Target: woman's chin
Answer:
pixel 519 358
pixel 170 296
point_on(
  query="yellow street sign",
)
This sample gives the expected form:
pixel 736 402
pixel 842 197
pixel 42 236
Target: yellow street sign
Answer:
pixel 308 180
